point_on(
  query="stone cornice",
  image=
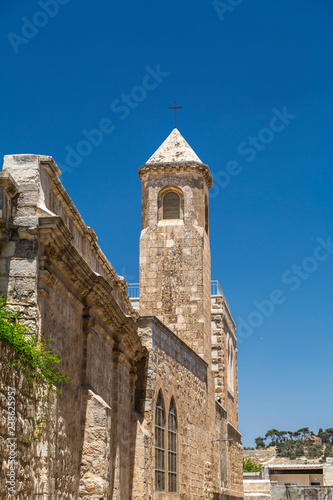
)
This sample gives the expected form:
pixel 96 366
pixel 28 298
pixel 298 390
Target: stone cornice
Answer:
pixel 8 183
pixel 60 192
pixel 57 238
pixel 177 167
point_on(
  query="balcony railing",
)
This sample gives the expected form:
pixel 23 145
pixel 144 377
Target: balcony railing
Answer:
pixel 216 288
pixel 134 290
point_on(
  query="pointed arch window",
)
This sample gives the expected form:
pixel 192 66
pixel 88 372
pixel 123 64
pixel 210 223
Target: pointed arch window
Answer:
pixel 230 365
pixel 171 205
pixel 160 444
pixel 172 448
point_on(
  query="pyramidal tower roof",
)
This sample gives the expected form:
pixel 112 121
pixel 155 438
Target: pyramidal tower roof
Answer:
pixel 175 154
pixel 174 150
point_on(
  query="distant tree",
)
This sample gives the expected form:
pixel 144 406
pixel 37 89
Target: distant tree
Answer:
pixel 325 438
pixel 289 444
pixel 329 434
pixel 273 435
pixel 328 451
pixel 282 436
pixel 285 448
pixel 299 448
pixel 313 450
pixel 260 442
pixel 305 432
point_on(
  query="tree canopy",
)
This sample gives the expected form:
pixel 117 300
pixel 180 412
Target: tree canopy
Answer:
pixel 294 444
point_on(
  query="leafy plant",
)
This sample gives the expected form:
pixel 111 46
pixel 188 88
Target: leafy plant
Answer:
pixel 31 357
pixel 250 466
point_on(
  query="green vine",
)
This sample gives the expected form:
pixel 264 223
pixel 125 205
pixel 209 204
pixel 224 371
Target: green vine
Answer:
pixel 31 357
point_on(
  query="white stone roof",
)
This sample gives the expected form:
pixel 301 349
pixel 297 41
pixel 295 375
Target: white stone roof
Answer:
pixel 174 149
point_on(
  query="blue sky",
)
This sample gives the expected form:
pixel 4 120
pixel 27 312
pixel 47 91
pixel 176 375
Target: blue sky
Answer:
pixel 233 72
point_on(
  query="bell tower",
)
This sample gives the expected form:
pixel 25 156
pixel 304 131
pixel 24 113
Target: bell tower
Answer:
pixel 174 243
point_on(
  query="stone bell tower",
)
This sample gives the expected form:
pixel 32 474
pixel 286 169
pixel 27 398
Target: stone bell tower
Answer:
pixel 174 243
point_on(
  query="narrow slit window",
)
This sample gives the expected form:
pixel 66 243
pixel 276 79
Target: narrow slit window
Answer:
pixel 171 205
pixel 230 365
pixel 160 445
pixel 172 448
pixel 206 215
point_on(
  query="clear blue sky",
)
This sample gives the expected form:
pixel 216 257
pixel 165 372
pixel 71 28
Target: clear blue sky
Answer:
pixel 230 71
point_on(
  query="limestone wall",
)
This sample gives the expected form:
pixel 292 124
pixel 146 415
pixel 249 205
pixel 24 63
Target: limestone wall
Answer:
pixel 52 269
pixel 301 492
pixel 17 395
pixel 209 465
pixel 99 438
pixel 175 259
pixel 259 489
pixel 328 474
pixel 224 336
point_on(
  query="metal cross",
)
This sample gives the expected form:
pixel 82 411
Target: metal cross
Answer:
pixel 175 107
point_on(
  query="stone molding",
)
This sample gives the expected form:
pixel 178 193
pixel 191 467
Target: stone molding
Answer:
pixel 48 164
pixel 7 182
pixel 57 238
pixel 87 232
pixel 177 167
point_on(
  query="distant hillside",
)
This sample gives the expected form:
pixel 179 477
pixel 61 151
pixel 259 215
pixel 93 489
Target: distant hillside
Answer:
pixel 302 443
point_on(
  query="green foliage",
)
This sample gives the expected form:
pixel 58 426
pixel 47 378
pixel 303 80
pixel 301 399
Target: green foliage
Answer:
pixel 260 442
pixel 35 362
pixel 313 450
pixel 292 444
pixel 328 451
pixel 31 357
pixel 250 466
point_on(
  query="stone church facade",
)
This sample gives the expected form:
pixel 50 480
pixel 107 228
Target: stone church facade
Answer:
pixel 151 409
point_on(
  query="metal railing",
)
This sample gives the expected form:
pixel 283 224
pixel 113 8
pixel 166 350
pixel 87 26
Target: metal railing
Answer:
pixel 216 290
pixel 133 290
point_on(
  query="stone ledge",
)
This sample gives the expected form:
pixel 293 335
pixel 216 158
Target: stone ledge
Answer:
pixel 177 167
pixel 8 183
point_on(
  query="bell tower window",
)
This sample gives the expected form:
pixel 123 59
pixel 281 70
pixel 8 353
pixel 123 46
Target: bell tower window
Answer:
pixel 171 205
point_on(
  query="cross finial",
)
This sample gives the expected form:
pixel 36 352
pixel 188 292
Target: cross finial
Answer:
pixel 175 107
